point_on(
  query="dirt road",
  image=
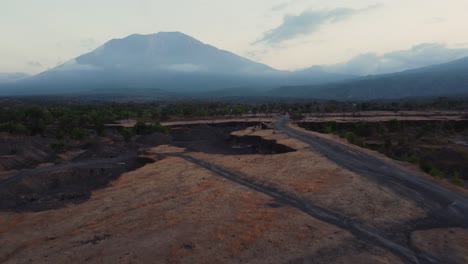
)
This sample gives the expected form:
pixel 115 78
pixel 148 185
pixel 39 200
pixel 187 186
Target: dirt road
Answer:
pixel 204 200
pixel 359 230
pixel 448 206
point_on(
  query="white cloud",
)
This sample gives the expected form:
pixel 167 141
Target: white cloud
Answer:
pixel 73 65
pixel 185 67
pixel 418 56
pixel 306 23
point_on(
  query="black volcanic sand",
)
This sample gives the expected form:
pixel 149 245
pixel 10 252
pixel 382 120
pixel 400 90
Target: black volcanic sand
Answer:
pixel 39 189
pixel 217 139
pixel 54 187
pixel 20 152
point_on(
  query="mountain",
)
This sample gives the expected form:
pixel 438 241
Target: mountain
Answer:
pixel 12 76
pixel 170 63
pixel 418 56
pixel 166 51
pixel 448 79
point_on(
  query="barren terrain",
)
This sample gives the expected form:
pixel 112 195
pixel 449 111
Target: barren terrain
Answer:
pixel 230 192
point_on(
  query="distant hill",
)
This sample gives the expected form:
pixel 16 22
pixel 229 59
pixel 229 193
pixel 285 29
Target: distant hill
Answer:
pixel 160 64
pixel 448 79
pixel 12 76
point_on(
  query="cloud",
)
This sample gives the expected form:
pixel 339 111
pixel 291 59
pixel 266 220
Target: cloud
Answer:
pixel 418 56
pixel 284 5
pixel 35 64
pixel 461 45
pixel 306 23
pixel 257 54
pixel 73 65
pixel 280 7
pixel 186 67
pixel 88 44
pixel 435 20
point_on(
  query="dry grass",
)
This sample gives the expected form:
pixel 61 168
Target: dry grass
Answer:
pixel 308 175
pixel 167 212
pixel 449 245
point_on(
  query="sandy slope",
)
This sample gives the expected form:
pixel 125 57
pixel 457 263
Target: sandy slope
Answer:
pixel 173 211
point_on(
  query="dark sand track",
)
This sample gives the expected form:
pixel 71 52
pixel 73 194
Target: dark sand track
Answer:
pixel 230 193
pixel 359 230
pixel 446 208
pixel 56 186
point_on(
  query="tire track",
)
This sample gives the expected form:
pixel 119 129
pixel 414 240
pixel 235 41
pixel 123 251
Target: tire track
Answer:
pixel 359 230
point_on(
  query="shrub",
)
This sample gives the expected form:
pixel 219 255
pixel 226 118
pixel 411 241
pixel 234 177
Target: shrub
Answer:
pixel 394 125
pixel 411 159
pixel 437 173
pixel 425 166
pixel 143 129
pixel 388 143
pixel 158 128
pixel 57 146
pixel 14 128
pixel 455 178
pixel 296 116
pixel 89 144
pixel 351 137
pixel 127 134
pixel 362 129
pixel 330 128
pixel 78 133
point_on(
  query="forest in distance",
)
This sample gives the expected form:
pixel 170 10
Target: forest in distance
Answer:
pixel 31 116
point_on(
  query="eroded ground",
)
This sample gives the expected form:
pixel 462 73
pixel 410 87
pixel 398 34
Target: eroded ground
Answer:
pixel 258 196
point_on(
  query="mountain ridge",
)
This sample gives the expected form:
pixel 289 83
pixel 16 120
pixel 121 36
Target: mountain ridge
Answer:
pixel 445 79
pixel 170 61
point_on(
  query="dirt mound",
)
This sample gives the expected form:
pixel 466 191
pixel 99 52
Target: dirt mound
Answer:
pixel 55 187
pixel 24 152
pixel 217 139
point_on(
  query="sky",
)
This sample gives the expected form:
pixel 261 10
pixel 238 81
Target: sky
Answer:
pixel 376 35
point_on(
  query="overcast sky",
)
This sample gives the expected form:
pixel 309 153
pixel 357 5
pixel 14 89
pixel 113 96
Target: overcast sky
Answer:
pixel 285 34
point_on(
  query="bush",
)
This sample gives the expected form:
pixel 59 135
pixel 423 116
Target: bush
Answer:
pixel 158 128
pixel 394 125
pixel 330 128
pixel 79 133
pixel 57 146
pixel 431 169
pixel 351 137
pixel 388 143
pixel 411 159
pixel 425 166
pixel 143 129
pixel 127 134
pixel 455 179
pixel 437 173
pixel 296 116
pixel 14 128
pixel 89 144
pixel 362 129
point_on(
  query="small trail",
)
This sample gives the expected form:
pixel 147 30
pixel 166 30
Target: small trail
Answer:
pixel 359 230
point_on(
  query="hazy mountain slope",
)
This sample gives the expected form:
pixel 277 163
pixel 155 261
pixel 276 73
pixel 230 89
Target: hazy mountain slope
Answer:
pixel 438 80
pixel 167 62
pixel 168 51
pixel 12 76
